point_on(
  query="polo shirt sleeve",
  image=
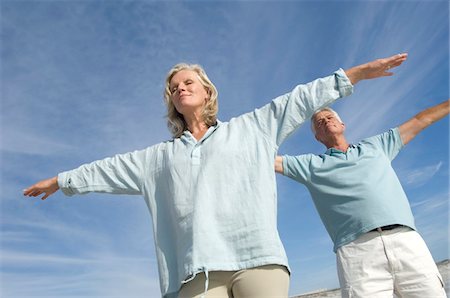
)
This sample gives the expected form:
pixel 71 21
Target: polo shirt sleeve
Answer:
pixel 389 142
pixel 120 174
pixel 278 119
pixel 297 167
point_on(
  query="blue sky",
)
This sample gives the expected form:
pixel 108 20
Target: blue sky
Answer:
pixel 83 80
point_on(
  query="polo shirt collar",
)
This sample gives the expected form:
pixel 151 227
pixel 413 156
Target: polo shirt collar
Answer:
pixel 334 151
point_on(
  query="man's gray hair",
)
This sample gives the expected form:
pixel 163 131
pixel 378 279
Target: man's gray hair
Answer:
pixel 328 109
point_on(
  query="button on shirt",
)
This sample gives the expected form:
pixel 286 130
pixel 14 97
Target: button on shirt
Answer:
pixel 213 201
pixel 354 191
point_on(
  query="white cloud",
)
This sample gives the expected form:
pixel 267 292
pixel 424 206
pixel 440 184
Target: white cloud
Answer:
pixel 48 275
pixel 420 176
pixel 431 205
pixel 431 214
pixel 89 264
pixel 15 141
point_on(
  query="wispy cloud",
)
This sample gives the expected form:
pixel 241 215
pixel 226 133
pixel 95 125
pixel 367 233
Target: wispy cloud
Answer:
pixel 15 141
pixel 58 275
pixel 420 176
pixel 32 267
pixel 431 213
pixel 387 102
pixel 433 205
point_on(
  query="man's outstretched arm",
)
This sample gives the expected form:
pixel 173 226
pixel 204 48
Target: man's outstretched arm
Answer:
pixel 422 120
pixel 279 164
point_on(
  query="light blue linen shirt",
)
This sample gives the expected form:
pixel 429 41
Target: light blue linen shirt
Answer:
pixel 213 202
pixel 354 191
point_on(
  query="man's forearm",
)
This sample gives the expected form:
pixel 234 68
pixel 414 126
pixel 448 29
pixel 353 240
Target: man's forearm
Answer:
pixel 279 164
pixel 422 120
pixel 433 114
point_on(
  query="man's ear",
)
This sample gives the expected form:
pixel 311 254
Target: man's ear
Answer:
pixel 317 138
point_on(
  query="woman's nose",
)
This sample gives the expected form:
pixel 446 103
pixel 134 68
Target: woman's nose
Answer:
pixel 181 87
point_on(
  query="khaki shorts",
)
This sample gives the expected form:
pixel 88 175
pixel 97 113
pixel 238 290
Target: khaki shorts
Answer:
pixel 270 281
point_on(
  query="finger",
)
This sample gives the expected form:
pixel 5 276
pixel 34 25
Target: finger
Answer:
pixel 28 192
pixel 397 63
pixel 44 197
pixel 401 56
pixel 35 193
pixel 398 59
pixel 394 61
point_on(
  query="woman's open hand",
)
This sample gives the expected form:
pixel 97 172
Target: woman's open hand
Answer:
pixel 47 187
pixel 375 69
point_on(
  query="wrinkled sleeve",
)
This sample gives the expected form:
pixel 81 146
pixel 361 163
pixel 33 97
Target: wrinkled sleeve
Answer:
pixel 286 113
pixel 120 174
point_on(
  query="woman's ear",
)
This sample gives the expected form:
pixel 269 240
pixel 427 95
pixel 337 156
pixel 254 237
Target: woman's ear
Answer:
pixel 208 91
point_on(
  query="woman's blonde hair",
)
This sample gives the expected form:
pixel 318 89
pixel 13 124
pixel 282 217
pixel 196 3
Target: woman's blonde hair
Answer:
pixel 175 120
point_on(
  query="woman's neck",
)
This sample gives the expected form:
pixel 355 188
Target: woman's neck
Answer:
pixel 196 125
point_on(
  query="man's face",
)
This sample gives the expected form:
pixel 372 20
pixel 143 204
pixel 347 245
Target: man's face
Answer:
pixel 327 124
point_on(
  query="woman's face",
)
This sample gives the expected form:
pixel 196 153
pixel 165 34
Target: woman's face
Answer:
pixel 187 92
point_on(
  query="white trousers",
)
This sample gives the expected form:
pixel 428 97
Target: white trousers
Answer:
pixel 381 264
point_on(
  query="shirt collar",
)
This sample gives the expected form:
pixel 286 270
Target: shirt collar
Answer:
pixel 187 136
pixel 334 151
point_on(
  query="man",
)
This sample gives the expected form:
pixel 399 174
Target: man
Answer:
pixel 365 210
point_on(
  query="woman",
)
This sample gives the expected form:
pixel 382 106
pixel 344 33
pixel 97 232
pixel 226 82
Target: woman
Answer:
pixel 211 189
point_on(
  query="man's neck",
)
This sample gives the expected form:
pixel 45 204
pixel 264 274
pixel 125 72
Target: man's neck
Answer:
pixel 340 144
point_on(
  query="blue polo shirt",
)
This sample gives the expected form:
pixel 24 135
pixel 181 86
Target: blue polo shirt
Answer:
pixel 354 191
pixel 213 201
